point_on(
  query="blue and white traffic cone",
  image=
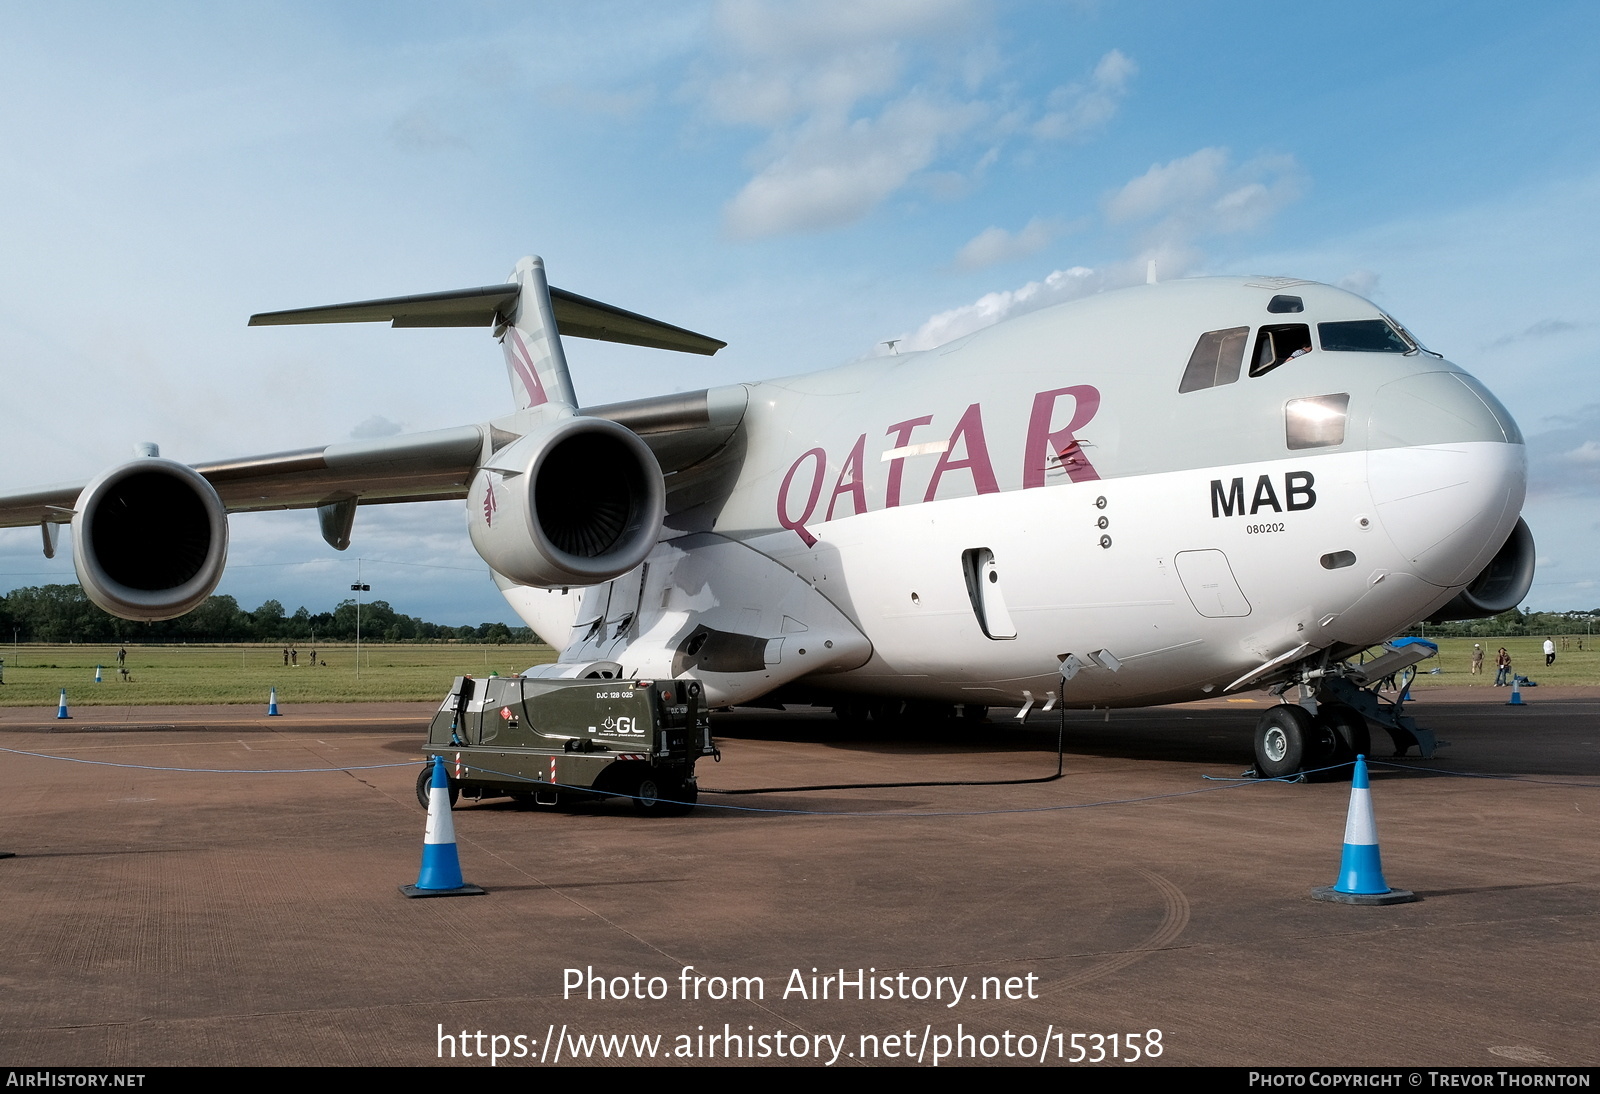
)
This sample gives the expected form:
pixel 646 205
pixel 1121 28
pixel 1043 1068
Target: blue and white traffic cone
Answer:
pixel 272 704
pixel 97 675
pixel 1361 870
pixel 441 866
pixel 61 711
pixel 1516 693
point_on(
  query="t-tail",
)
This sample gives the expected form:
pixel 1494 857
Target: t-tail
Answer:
pixel 528 316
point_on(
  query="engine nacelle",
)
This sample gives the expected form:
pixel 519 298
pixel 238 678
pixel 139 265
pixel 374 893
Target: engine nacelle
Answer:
pixel 149 539
pixel 1501 586
pixel 576 502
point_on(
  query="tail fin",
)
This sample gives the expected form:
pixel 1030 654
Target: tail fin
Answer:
pixel 534 358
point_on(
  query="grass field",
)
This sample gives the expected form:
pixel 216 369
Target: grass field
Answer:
pixel 1573 666
pixel 161 675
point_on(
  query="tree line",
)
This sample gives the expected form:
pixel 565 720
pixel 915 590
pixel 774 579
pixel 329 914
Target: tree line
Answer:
pixel 64 614
pixel 1516 623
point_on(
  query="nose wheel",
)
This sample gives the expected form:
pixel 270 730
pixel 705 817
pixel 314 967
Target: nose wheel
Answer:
pixel 1290 741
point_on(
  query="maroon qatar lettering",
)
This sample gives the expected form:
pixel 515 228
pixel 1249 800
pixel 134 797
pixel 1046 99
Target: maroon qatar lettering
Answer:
pixel 1059 447
pixel 798 524
pixel 1051 445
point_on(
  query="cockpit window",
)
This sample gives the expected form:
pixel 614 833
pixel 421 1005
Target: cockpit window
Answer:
pixel 1363 336
pixel 1317 422
pixel 1216 359
pixel 1275 345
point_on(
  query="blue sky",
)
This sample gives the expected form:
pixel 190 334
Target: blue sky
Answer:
pixel 803 180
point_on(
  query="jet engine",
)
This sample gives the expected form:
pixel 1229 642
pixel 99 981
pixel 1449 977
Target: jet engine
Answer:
pixel 576 502
pixel 1502 584
pixel 149 539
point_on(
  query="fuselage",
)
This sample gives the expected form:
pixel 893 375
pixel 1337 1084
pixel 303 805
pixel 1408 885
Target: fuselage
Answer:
pixel 1137 497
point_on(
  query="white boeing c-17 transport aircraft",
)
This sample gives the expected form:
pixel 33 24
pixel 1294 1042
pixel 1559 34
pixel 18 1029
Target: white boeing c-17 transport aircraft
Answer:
pixel 1152 495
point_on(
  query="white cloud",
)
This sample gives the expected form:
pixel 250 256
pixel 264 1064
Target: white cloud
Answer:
pixel 833 172
pixel 1078 109
pixel 1586 453
pixel 1204 194
pixel 862 99
pixel 996 245
pixel 1565 458
pixel 1172 206
pixel 1544 328
pixel 772 95
pixel 992 307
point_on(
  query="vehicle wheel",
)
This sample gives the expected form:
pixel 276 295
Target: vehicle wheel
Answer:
pixel 663 796
pixel 425 784
pixel 1283 736
pixel 688 793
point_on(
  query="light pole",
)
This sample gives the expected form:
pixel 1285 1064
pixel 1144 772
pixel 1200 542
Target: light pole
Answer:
pixel 358 589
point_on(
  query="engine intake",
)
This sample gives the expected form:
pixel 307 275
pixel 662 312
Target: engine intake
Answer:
pixel 149 539
pixel 577 502
pixel 1502 584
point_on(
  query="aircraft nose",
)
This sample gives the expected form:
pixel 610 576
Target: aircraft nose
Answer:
pixel 1448 471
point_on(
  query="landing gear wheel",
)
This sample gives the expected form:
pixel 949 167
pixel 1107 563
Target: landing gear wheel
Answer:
pixel 1352 738
pixel 1286 738
pixel 664 796
pixel 425 784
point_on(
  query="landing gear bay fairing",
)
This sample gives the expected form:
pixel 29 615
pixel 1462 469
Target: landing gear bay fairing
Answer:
pixel 1159 494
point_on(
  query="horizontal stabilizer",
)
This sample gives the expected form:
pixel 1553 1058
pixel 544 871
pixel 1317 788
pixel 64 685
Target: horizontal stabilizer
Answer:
pixel 457 308
pixel 576 316
pixel 584 318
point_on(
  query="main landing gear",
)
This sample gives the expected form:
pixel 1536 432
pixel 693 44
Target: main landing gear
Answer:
pixel 1324 727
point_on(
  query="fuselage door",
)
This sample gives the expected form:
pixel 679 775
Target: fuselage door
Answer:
pixel 1209 581
pixel 987 594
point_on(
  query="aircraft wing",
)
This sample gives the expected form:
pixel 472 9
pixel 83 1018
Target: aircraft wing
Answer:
pixel 683 430
pixel 415 467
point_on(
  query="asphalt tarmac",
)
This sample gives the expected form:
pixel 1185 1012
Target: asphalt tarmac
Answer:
pixel 1146 904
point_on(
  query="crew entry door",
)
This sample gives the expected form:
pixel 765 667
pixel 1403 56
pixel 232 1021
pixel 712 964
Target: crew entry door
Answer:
pixel 987 593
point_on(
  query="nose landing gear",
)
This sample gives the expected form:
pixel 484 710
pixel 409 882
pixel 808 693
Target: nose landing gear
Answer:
pixel 1328 727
